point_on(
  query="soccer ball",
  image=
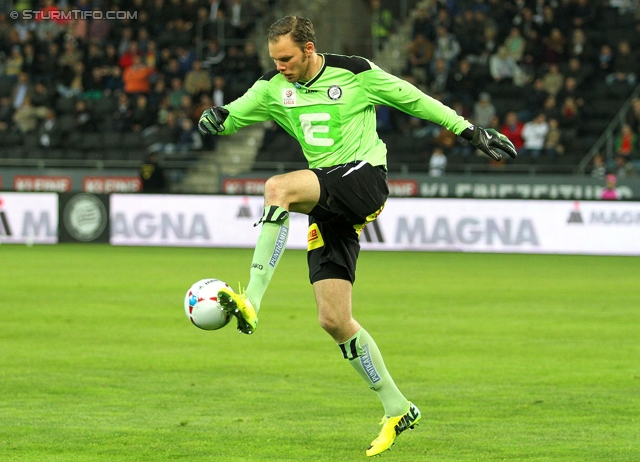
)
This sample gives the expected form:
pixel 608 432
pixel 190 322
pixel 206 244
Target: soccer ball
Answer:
pixel 201 305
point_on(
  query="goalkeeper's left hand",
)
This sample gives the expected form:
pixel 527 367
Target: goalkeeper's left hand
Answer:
pixel 212 120
pixel 489 141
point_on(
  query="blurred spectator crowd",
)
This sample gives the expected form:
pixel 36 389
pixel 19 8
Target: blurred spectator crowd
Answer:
pixel 550 74
pixel 75 86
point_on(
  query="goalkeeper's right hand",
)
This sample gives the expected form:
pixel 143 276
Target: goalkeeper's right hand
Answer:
pixel 212 120
pixel 489 141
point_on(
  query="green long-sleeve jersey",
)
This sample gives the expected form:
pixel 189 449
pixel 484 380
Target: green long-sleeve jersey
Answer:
pixel 333 114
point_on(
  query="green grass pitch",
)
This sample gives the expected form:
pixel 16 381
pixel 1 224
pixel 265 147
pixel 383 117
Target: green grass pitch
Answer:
pixel 509 357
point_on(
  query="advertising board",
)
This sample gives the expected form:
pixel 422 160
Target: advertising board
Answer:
pixel 467 225
pixel 28 218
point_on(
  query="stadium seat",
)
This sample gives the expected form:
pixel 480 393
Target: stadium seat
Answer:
pixel 281 148
pixel 31 142
pixel 89 141
pixel 115 154
pixel 136 155
pixel 132 141
pixel 596 91
pixel 506 104
pixel 74 140
pixel 411 150
pixel 152 136
pixel 103 107
pixel 619 90
pixel 93 154
pixel 65 105
pixel 570 158
pixel 605 107
pixel 34 153
pixel 13 152
pixel 593 127
pixel 73 154
pixel 66 123
pixel 6 85
pixel 481 159
pixel 112 140
pixel 581 145
pixel 11 139
pixel 54 154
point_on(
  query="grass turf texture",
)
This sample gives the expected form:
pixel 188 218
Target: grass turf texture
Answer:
pixel 509 357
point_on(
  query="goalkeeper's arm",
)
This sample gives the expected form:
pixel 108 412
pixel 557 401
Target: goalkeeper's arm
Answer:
pixel 387 89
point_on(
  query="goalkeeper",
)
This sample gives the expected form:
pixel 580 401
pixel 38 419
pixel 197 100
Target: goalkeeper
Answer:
pixel 327 102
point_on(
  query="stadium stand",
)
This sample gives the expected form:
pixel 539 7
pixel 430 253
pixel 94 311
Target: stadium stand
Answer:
pixel 120 89
pixel 112 85
pixel 579 38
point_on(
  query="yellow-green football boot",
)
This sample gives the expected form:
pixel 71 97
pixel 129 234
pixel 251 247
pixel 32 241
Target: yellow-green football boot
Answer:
pixel 240 306
pixel 391 428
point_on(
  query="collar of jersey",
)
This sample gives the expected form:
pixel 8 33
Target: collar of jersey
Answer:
pixel 317 76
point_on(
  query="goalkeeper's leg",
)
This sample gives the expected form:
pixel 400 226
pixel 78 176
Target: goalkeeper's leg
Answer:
pixel 296 191
pixel 333 297
pixel 268 252
pixel 266 256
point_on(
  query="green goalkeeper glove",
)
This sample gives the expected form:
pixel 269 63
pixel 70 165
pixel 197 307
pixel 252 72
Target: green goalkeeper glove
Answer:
pixel 489 141
pixel 212 120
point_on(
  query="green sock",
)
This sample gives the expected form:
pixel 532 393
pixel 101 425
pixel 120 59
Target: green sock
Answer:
pixel 269 249
pixel 363 354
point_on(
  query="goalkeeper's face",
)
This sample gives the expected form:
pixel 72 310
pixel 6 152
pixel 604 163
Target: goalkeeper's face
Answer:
pixel 292 62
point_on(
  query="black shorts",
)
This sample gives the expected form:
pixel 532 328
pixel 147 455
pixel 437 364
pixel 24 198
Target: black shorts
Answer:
pixel 351 195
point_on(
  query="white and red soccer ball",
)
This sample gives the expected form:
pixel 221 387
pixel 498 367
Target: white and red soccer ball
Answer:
pixel 202 307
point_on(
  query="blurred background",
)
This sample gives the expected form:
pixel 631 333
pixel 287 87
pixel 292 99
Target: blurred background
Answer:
pixel 111 105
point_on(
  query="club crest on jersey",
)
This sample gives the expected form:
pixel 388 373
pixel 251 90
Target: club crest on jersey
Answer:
pixel 289 96
pixel 334 92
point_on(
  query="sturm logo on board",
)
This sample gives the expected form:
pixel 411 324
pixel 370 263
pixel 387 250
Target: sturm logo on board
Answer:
pixel 85 217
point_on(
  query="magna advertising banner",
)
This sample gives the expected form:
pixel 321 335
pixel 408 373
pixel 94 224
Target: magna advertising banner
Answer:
pixel 28 218
pixel 474 225
pixel 467 225
pixel 200 221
